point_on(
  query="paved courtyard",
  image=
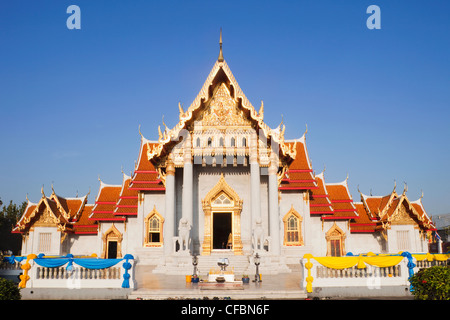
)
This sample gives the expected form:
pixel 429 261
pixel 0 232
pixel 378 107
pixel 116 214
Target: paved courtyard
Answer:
pixel 158 286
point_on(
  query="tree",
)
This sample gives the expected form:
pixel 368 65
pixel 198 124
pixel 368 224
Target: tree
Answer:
pixel 431 283
pixel 9 215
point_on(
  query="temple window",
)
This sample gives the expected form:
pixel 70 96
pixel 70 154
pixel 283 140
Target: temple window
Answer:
pixel 293 228
pixel 45 242
pixel 335 241
pixel 198 142
pixel 221 142
pixel 209 142
pixel 244 142
pixel 233 142
pixel 153 229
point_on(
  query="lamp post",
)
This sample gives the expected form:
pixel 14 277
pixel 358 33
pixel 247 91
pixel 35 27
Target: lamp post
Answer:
pixel 257 262
pixel 195 263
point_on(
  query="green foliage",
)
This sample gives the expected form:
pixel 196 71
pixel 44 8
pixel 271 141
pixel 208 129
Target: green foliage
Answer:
pixel 9 290
pixel 432 283
pixel 9 215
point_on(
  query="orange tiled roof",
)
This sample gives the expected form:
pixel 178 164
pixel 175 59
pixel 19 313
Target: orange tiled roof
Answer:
pixel 299 176
pixel 341 201
pixel 84 225
pixel 380 210
pixel 145 176
pixel 128 199
pixel 105 203
pixel 319 201
pixel 418 206
pixel 363 223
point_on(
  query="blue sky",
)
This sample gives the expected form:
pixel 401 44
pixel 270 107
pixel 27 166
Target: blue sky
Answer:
pixel 376 102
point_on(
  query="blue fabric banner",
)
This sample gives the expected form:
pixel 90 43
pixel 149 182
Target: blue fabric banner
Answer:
pixel 88 263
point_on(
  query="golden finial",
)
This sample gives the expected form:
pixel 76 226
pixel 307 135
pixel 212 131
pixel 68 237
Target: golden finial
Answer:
pixel 159 133
pixel 261 109
pixel 139 128
pixel 306 131
pixel 220 59
pixel 180 108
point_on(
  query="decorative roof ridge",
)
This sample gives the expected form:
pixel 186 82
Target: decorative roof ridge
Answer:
pixel 203 94
pixel 342 183
pixel 29 205
pixel 320 176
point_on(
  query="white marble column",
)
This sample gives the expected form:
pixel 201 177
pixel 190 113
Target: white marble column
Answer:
pixel 255 180
pixel 187 196
pixel 274 219
pixel 169 219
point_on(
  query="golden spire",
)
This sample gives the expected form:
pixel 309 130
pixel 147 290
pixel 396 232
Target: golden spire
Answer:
pixel 220 59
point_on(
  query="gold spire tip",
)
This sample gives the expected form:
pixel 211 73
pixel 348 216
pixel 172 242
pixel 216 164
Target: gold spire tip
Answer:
pixel 220 59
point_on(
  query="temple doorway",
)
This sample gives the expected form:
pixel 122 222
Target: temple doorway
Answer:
pixel 112 250
pixel 222 230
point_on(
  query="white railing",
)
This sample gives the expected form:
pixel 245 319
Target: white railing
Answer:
pixel 73 277
pixel 77 278
pixel 371 277
pixel 316 275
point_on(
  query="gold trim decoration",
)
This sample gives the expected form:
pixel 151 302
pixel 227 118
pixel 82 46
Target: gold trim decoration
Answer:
pixel 335 233
pixel 235 207
pixel 112 234
pixel 147 219
pixel 187 116
pixel 286 218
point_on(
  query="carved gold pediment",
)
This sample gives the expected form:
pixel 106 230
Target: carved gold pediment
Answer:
pixel 223 111
pixel 46 219
pixel 401 216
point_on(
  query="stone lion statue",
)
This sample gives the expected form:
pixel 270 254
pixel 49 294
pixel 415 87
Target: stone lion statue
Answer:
pixel 183 231
pixel 258 235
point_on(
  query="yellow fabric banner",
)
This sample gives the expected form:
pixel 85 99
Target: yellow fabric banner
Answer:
pixel 432 257
pixel 348 262
pixel 382 262
pixel 337 262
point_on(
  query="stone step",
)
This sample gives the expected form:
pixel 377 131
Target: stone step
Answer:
pixel 217 294
pixel 239 264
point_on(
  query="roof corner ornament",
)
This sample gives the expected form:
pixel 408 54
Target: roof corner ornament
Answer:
pixel 139 129
pixel 261 110
pixel 160 136
pixel 181 109
pixel 306 130
pixel 220 58
pixel 405 188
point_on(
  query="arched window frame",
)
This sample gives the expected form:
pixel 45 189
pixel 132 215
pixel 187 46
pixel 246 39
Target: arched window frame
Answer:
pixel 335 241
pixel 154 214
pixel 293 237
